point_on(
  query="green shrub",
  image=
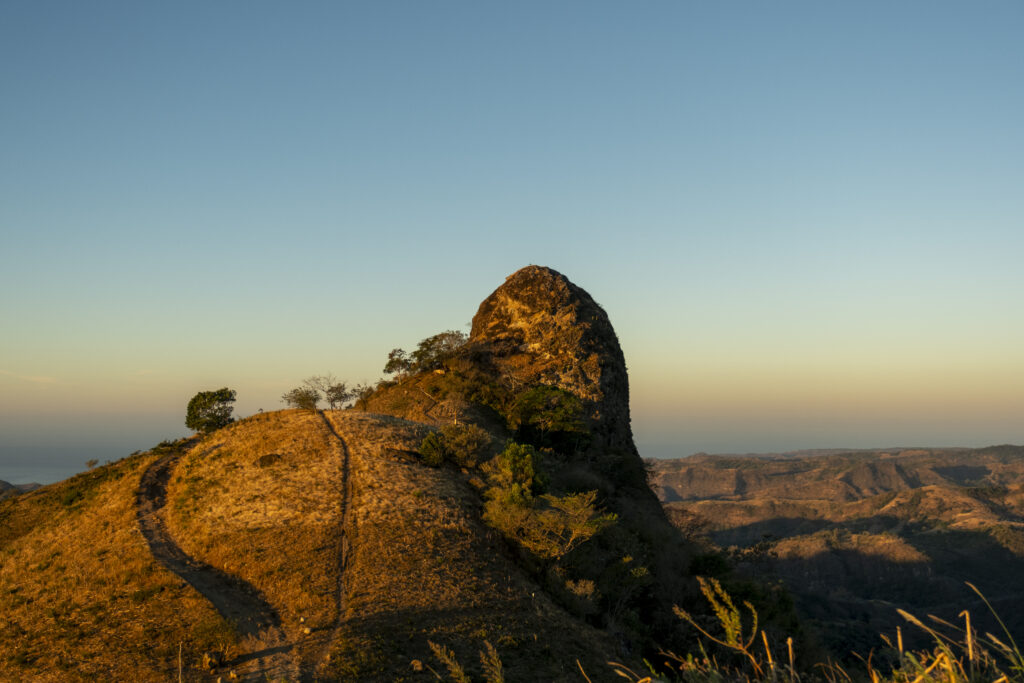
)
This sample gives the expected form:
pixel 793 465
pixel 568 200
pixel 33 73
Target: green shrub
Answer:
pixel 432 450
pixel 547 526
pixel 71 496
pixel 464 443
pixel 549 416
pixel 208 411
pixel 515 474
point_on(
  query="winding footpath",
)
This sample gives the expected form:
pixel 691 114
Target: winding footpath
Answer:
pixel 269 654
pixel 263 638
pixel 323 657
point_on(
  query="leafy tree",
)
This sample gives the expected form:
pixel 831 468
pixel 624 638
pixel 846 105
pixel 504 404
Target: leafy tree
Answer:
pixel 559 524
pixel 398 362
pixel 330 389
pixel 338 395
pixel 548 526
pixel 303 397
pixel 362 393
pixel 210 410
pixel 430 354
pixel 548 415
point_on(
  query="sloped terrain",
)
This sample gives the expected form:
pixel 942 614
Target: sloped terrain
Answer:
pixel 8 490
pixel 81 596
pixel 542 366
pixel 488 499
pixel 325 527
pixel 854 536
pixel 423 567
pixel 262 500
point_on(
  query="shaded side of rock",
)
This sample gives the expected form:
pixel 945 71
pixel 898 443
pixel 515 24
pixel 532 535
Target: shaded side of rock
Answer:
pixel 540 328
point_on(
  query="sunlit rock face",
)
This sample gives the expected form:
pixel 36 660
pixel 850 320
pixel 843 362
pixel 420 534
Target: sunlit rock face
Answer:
pixel 538 327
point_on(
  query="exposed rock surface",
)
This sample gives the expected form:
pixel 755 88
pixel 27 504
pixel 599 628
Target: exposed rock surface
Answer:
pixel 540 328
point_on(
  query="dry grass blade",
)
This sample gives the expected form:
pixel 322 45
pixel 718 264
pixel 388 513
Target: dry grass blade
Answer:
pixel 626 672
pixel 492 664
pixel 1013 652
pixel 447 657
pixel 970 635
pixel 924 674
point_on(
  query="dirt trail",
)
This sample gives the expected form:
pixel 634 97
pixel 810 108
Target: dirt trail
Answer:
pixel 268 651
pixel 310 673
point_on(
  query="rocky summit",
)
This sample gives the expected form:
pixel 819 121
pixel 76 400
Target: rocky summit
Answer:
pixel 540 328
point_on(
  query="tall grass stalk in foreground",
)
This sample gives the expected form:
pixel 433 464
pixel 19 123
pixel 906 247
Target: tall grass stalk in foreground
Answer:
pixel 960 654
pixel 489 660
pixel 987 656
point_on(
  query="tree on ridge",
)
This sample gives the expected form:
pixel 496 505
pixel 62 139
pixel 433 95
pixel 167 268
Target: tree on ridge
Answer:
pixel 208 411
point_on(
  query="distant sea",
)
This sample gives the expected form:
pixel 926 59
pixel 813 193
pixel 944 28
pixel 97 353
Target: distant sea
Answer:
pixel 46 465
pixel 39 474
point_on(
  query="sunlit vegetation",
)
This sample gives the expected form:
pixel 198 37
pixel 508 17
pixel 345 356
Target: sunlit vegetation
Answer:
pixel 320 388
pixel 208 411
pixel 81 597
pixel 260 500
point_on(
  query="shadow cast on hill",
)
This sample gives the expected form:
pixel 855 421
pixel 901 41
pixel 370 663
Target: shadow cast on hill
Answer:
pixel 849 578
pixel 386 644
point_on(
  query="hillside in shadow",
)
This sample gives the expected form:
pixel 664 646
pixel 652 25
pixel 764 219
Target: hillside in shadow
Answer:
pixel 856 536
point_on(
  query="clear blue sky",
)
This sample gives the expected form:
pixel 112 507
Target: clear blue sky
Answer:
pixel 805 219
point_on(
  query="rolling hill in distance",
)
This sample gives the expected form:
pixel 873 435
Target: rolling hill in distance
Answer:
pixel 485 511
pixel 856 534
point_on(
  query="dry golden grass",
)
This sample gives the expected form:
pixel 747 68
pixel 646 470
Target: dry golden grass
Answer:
pixel 82 599
pixel 275 526
pixel 423 567
pixel 878 547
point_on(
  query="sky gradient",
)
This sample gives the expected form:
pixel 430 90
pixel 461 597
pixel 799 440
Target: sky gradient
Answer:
pixel 805 220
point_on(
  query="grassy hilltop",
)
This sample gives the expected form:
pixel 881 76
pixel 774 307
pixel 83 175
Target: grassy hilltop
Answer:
pixel 485 506
pixel 481 515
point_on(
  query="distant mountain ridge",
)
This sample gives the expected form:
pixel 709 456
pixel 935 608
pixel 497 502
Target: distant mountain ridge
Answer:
pixel 7 489
pixel 855 534
pixel 836 473
pixel 817 452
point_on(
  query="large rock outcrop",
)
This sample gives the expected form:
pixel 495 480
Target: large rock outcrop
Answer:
pixel 540 328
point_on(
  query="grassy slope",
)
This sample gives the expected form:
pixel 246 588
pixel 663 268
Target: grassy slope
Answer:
pixel 274 526
pixel 81 598
pixel 425 568
pixel 421 567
